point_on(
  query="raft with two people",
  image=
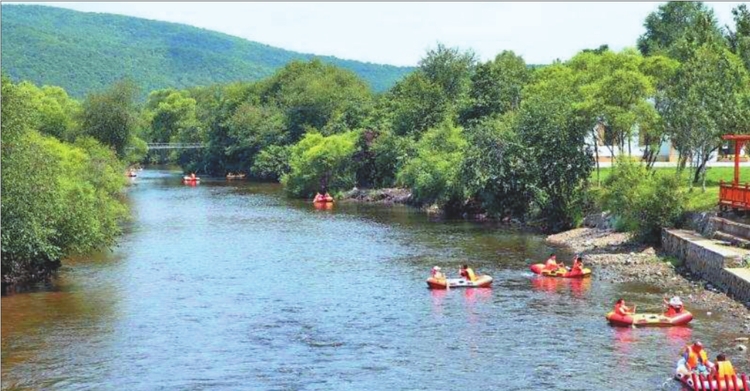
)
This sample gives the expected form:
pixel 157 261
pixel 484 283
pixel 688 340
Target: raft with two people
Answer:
pixel 551 268
pixel 191 178
pixel 467 279
pixel 320 198
pixel 676 315
pixel 696 372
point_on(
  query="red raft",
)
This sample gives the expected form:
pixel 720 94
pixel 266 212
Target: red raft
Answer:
pixel 539 268
pixel 645 319
pixel 322 199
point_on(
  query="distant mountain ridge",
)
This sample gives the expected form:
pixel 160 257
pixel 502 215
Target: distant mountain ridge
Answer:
pixel 84 52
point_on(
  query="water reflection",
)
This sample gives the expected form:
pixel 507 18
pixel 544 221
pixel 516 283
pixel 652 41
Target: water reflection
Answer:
pixel 578 287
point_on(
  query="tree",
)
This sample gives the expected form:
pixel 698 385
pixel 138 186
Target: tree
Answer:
pixel 739 39
pixel 556 154
pixel 494 171
pixel 677 27
pixel 450 69
pixel 707 95
pixel 110 116
pixel 416 104
pixel 496 86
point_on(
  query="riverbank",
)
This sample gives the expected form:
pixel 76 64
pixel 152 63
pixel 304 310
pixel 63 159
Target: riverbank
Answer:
pixel 617 258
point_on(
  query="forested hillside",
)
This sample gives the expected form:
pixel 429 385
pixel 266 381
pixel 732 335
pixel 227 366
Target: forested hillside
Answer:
pixel 85 52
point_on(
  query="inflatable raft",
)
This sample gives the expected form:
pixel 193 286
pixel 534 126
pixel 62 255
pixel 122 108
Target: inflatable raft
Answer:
pixel 695 382
pixel 188 179
pixel 538 268
pixel 483 281
pixel 322 199
pixel 654 320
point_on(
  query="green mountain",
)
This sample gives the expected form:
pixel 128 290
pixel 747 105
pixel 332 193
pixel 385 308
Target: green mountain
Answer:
pixel 83 52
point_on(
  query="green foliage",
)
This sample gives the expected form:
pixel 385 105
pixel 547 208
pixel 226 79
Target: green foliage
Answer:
pixel 391 153
pixel 321 163
pixel 320 96
pixel 416 104
pixel 252 128
pixel 450 69
pixel 271 163
pixel 434 173
pixel 556 153
pixel 494 171
pixel 87 52
pixel 677 27
pixel 496 86
pixel 644 202
pixel 110 117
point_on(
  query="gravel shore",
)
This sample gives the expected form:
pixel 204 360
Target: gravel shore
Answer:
pixel 615 257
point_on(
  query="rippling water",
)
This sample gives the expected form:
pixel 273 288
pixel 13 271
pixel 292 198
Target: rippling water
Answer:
pixel 233 286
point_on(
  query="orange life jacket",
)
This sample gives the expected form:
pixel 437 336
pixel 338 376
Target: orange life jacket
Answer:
pixel 694 358
pixel 621 309
pixel 724 368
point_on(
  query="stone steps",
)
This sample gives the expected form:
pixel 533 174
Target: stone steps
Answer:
pixel 730 227
pixel 732 240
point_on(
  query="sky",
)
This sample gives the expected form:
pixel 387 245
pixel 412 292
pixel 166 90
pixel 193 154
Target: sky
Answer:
pixel 401 33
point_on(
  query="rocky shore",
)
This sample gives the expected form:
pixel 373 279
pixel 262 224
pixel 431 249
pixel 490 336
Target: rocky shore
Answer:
pixel 383 196
pixel 617 258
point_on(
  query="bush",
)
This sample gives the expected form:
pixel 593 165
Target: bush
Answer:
pixel 434 173
pixel 644 203
pixel 271 163
pixel 318 162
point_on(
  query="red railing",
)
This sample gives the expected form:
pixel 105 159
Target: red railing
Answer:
pixel 734 196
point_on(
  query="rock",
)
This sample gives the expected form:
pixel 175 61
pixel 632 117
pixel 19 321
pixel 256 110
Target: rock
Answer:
pixel 742 339
pixel 741 348
pixel 649 251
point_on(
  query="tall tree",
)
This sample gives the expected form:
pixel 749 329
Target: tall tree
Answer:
pixel 496 86
pixel 110 116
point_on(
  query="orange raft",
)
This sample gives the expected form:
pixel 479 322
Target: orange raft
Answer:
pixel 321 199
pixel 188 179
pixel 483 281
pixel 655 320
pixel 539 268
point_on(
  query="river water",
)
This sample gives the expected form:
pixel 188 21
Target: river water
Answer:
pixel 230 285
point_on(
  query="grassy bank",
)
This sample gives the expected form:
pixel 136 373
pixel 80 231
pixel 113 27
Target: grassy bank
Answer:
pixel 697 200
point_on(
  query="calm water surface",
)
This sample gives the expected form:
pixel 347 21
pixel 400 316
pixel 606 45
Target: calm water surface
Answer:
pixel 230 285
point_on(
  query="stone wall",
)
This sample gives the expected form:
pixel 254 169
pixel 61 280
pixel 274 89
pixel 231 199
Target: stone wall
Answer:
pixel 708 260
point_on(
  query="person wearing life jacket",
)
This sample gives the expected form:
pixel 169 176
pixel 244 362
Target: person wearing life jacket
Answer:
pixel 723 367
pixel 577 265
pixel 674 306
pixel 467 273
pixel 696 358
pixel 622 309
pixel 551 263
pixel 437 274
pixel 192 176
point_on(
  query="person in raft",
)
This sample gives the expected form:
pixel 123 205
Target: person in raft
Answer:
pixel 674 306
pixel 551 263
pixel 696 358
pixel 466 272
pixel 622 309
pixel 192 176
pixel 723 367
pixel 437 274
pixel 577 265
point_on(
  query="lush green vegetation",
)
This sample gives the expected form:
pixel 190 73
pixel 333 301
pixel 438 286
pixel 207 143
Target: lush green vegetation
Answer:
pixel 62 178
pixel 88 52
pixel 496 137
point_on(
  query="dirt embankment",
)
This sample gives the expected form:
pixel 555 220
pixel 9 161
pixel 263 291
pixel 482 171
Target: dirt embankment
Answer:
pixel 617 258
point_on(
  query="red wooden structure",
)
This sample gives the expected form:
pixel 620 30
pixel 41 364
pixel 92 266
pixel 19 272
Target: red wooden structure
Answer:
pixel 734 195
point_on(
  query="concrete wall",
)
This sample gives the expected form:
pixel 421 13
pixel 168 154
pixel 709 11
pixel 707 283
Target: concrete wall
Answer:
pixel 708 260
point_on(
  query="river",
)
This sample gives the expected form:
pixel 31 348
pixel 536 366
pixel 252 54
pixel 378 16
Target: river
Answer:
pixel 231 285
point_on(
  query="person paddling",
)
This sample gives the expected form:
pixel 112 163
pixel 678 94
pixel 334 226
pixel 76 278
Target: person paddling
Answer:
pixel 622 309
pixel 466 272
